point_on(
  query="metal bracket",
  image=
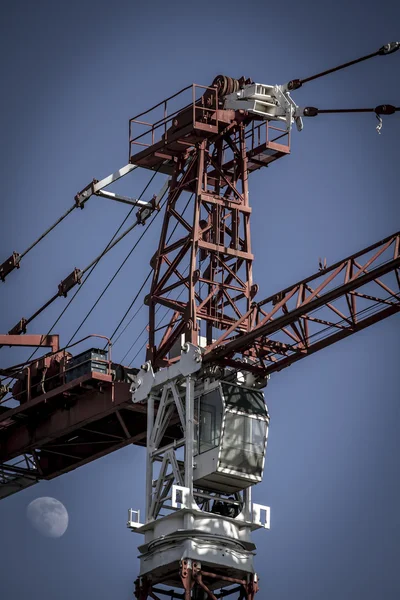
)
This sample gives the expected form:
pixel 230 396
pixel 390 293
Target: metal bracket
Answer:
pixel 271 102
pixel 258 511
pixel 189 363
pixel 95 185
pixel 290 107
pixel 9 265
pixel 19 328
pixel 184 500
pixel 134 519
pixel 142 384
pixel 69 282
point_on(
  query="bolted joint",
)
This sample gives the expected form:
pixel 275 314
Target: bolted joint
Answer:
pixel 85 194
pixel 277 298
pixel 253 290
pixel 19 328
pixel 9 265
pixel 144 213
pixel 153 261
pixel 69 282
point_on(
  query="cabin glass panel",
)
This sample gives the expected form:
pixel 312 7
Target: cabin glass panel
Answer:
pixel 209 420
pixel 231 433
pixel 243 444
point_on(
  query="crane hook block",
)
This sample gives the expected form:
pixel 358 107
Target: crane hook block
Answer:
pixel 9 265
pixel 389 48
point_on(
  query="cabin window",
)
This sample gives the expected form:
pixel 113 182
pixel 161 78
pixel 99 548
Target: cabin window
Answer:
pixel 243 444
pixel 209 420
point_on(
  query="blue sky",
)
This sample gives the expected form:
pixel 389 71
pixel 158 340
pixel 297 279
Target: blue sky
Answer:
pixel 72 75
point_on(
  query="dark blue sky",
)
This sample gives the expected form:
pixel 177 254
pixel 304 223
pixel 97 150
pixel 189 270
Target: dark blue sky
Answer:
pixel 72 75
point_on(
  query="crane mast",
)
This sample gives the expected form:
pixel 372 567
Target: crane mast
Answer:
pixel 202 269
pixel 196 403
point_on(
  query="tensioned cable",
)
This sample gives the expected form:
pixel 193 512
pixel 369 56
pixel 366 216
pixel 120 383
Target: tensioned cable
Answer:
pixel 94 263
pixel 113 242
pixel 318 333
pixel 69 211
pixel 369 309
pixel 326 329
pixel 19 257
pixel 128 309
pixel 383 109
pixel 137 295
pixel 144 329
pixel 115 274
pixel 389 48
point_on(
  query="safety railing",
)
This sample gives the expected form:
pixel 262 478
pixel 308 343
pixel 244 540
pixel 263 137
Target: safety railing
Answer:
pixel 266 133
pixel 31 384
pixel 199 100
pixel 258 137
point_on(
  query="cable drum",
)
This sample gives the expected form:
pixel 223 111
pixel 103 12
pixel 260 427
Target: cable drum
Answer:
pixel 227 85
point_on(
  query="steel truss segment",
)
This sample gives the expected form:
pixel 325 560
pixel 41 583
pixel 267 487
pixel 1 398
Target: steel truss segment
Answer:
pixel 171 410
pixel 159 418
pixel 195 271
pixel 191 578
pixel 318 311
pixel 18 474
pixel 156 500
pixel 166 409
pixel 167 412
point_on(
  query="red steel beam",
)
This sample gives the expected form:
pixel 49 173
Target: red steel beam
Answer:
pixel 84 425
pixel 298 321
pixel 89 407
pixel 335 303
pixel 46 341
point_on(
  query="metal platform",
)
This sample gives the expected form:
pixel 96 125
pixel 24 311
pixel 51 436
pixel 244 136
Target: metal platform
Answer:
pixel 159 141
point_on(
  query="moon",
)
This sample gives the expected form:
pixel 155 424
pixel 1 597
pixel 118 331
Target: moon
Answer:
pixel 48 516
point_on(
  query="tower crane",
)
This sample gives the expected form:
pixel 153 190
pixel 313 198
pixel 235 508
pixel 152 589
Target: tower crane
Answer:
pixel 196 403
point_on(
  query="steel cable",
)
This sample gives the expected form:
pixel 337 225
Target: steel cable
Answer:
pixel 389 48
pixel 137 295
pixel 92 267
pixel 69 211
pixel 115 275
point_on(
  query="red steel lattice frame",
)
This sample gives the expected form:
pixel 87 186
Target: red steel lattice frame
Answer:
pixel 211 258
pixel 210 153
pixel 317 311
